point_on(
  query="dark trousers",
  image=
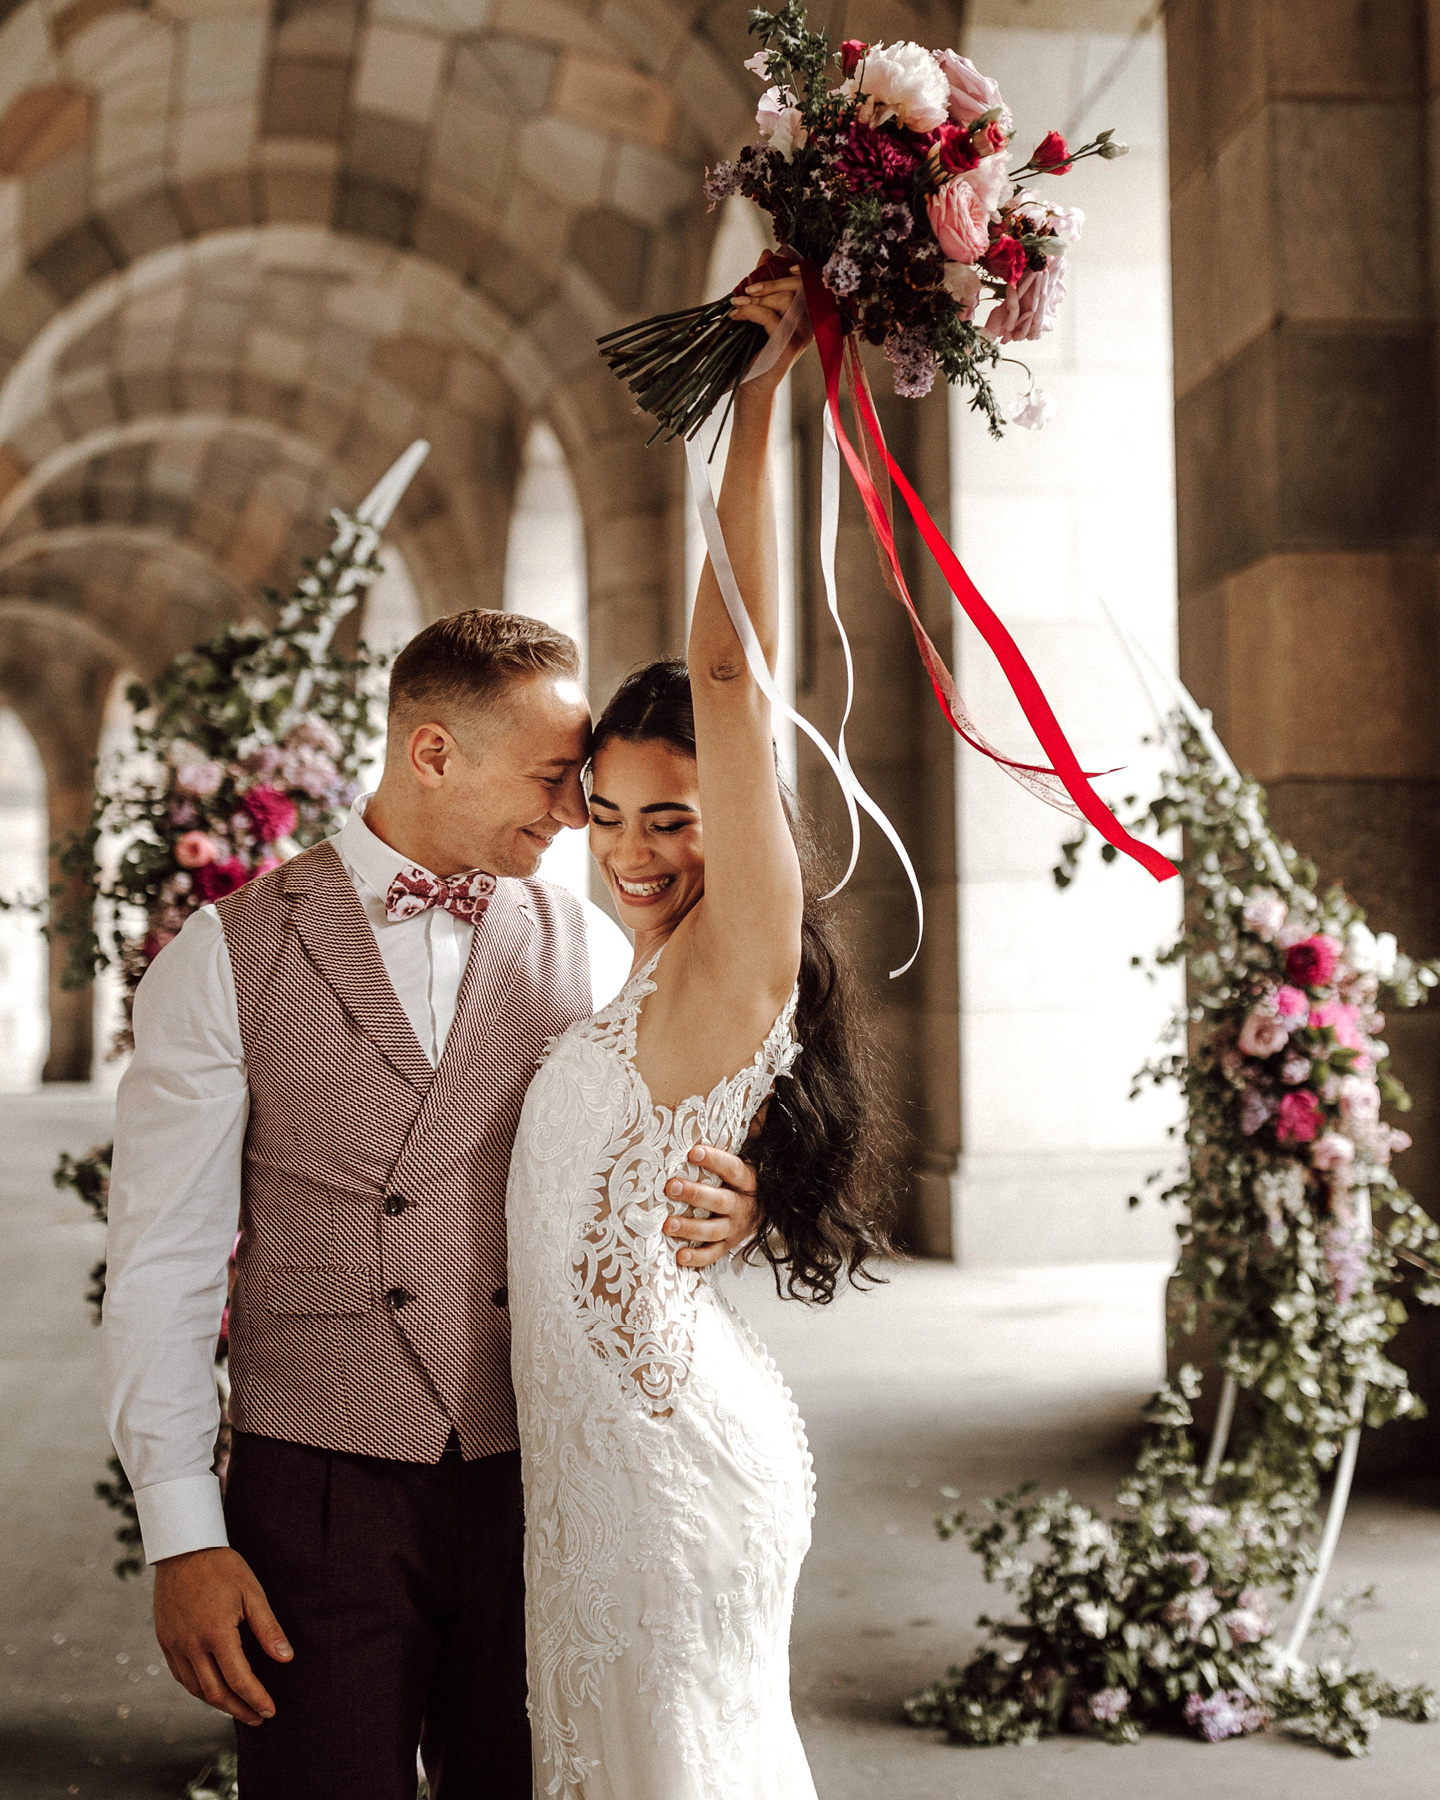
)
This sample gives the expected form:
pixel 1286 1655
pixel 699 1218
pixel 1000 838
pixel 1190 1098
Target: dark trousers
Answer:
pixel 400 1587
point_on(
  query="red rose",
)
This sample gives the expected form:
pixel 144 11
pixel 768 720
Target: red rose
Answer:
pixel 1005 260
pixel 852 54
pixel 954 151
pixel 1053 156
pixel 1311 962
pixel 1299 1117
pixel 217 879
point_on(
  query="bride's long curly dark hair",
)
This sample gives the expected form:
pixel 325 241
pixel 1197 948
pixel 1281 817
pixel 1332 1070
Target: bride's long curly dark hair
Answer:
pixel 827 1150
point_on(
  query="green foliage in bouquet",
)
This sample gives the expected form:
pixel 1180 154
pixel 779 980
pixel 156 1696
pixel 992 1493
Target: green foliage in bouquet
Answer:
pixel 1294 1239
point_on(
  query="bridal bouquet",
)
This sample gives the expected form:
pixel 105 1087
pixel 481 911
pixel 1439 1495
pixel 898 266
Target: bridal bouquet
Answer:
pixel 886 167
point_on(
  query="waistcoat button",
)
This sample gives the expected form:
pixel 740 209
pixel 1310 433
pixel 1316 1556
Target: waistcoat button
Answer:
pixel 396 1298
pixel 501 1297
pixel 395 1203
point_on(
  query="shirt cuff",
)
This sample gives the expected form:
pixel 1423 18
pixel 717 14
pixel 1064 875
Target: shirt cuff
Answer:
pixel 179 1516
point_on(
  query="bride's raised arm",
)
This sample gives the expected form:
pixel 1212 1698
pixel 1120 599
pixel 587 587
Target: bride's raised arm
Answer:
pixel 749 931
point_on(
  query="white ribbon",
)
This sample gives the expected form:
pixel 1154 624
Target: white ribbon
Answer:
pixel 856 799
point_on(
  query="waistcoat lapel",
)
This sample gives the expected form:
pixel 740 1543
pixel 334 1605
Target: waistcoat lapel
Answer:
pixel 497 951
pixel 339 940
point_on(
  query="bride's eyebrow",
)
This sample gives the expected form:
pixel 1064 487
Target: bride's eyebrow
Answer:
pixel 658 807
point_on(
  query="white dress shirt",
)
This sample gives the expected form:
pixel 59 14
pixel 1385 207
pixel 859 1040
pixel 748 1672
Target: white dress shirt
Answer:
pixel 180 1125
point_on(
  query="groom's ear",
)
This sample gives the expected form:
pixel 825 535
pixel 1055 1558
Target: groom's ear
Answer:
pixel 429 751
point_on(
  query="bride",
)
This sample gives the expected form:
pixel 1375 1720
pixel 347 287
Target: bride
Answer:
pixel 668 1490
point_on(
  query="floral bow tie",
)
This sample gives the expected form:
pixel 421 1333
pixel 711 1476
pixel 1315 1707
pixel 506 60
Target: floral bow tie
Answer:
pixel 414 891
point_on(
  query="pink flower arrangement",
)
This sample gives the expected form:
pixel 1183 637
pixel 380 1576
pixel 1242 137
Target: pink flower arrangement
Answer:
pixel 1299 1117
pixel 1109 1704
pixel 194 849
pixel 1311 962
pixel 271 812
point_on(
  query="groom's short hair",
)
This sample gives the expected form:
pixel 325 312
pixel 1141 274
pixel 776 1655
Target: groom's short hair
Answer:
pixel 465 662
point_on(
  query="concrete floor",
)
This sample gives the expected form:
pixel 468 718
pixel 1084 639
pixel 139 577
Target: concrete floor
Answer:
pixel 978 1380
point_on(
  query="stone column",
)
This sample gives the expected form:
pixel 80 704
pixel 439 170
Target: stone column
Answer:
pixel 1305 447
pixel 903 752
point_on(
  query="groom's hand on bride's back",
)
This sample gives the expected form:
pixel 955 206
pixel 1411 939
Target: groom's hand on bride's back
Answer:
pixel 733 1209
pixel 201 1600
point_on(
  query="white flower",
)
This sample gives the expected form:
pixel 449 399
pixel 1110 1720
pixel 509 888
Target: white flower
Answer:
pixel 1264 912
pixel 759 64
pixel 1034 410
pixel 962 284
pixel 1093 1618
pixel 901 81
pixel 1332 1151
pixel 778 122
pixel 1067 222
pixel 1368 954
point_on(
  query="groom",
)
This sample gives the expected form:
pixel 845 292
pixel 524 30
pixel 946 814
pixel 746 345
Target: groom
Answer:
pixel 336 1056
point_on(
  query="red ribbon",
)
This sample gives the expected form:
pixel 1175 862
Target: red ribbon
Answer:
pixel 830 340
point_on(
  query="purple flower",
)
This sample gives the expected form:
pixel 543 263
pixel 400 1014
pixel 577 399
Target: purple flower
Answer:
pixel 842 273
pixel 914 363
pixel 1228 1713
pixel 721 182
pixel 1344 1249
pixel 271 812
pixel 1255 1109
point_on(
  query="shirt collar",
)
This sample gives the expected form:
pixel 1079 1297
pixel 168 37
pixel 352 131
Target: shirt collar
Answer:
pixel 370 857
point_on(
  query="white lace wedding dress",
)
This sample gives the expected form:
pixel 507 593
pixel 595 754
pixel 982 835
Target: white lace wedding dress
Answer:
pixel 668 1491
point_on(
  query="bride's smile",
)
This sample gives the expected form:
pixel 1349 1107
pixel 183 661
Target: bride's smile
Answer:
pixel 645 833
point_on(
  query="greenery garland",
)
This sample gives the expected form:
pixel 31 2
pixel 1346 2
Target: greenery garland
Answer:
pixel 1161 1617
pixel 247 749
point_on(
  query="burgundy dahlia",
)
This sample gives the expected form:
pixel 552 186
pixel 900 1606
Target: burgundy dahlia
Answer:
pixel 876 162
pixel 217 879
pixel 1311 962
pixel 271 812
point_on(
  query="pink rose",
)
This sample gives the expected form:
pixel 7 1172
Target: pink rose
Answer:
pixel 194 850
pixel 1028 309
pixel 217 879
pixel 1262 1035
pixel 266 864
pixel 1291 1004
pixel 961 222
pixel 971 93
pixel 1331 1152
pixel 1311 963
pixel 271 812
pixel 1299 1117
pixel 988 179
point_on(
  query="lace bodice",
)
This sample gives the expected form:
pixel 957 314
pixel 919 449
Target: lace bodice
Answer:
pixel 668 1485
pixel 626 1275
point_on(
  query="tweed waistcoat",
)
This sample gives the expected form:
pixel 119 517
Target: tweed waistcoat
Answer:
pixel 369 1312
